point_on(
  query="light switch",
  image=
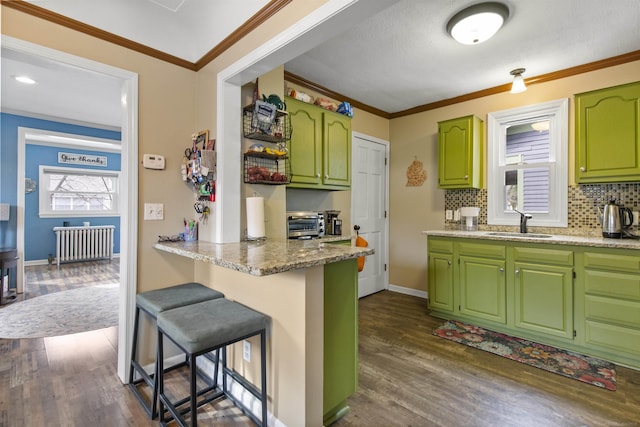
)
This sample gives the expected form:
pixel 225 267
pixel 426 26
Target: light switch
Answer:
pixel 153 211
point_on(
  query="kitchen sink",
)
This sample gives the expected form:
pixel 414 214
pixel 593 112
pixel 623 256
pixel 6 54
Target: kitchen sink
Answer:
pixel 525 235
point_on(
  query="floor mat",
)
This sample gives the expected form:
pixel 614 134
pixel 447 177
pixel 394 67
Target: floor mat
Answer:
pixel 582 368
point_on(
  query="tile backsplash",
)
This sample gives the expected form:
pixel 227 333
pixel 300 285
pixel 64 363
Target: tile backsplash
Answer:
pixel 582 200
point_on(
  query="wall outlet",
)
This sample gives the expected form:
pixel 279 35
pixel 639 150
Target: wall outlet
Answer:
pixel 636 214
pixel 448 214
pixel 246 351
pixel 456 215
pixel 153 211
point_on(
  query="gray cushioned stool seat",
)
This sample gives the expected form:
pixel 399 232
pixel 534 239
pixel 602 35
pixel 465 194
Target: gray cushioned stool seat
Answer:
pixel 159 300
pixel 154 302
pixel 210 324
pixel 203 327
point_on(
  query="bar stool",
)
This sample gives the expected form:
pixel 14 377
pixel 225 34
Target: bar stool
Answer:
pixel 153 303
pixel 205 327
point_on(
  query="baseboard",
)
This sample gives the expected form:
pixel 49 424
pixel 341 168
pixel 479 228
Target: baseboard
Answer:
pixel 408 291
pixel 46 261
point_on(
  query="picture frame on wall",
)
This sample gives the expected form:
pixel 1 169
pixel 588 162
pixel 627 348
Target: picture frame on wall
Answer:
pixel 201 138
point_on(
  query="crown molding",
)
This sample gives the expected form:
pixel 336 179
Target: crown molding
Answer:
pixel 267 12
pixel 252 23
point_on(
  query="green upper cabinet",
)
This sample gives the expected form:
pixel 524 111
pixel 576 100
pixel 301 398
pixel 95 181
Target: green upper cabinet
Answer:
pixel 460 148
pixel 336 151
pixel 320 147
pixel 608 135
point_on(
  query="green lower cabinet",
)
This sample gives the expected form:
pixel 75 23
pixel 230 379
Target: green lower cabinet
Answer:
pixel 579 298
pixel 483 288
pixel 441 281
pixel 340 338
pixel 610 297
pixel 544 299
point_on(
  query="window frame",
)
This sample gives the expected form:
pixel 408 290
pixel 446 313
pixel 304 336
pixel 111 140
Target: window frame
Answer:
pixel 557 112
pixel 44 209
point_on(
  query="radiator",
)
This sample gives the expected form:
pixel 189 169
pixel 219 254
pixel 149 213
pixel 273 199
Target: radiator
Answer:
pixel 75 244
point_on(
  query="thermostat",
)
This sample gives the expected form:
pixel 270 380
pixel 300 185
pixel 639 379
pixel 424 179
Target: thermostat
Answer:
pixel 153 161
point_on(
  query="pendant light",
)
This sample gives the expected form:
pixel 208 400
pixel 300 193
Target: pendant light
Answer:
pixel 518 82
pixel 477 23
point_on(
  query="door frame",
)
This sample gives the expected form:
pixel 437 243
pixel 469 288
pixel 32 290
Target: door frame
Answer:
pixel 128 187
pixel 385 249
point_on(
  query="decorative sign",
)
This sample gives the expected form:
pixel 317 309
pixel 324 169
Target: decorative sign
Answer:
pixel 82 159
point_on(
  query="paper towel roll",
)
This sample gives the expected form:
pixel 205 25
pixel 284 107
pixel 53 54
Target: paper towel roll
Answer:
pixel 255 217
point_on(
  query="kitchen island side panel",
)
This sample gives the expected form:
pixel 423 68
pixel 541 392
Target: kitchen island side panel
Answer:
pixel 293 301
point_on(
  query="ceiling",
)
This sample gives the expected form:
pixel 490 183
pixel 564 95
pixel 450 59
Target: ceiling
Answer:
pixel 396 60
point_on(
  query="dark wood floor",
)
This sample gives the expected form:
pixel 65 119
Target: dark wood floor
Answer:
pixel 408 377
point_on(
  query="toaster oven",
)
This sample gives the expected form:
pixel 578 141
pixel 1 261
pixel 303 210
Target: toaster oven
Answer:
pixel 304 225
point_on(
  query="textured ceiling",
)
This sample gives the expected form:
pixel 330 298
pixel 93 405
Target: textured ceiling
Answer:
pixel 403 57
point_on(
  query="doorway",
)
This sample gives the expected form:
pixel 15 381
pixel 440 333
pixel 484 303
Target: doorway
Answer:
pixel 369 208
pixel 129 159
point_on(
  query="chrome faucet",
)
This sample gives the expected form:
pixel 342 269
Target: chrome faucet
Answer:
pixel 523 220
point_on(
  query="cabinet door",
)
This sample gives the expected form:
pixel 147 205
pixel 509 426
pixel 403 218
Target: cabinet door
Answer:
pixel 336 150
pixel 483 288
pixel 441 282
pixel 544 299
pixel 305 146
pixel 459 153
pixel 608 118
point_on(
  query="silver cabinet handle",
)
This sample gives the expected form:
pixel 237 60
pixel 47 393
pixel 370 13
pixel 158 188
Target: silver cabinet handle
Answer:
pixel 466 177
pixel 449 262
pixel 517 272
pixel 326 177
pixel 318 175
pixel 501 270
pixel 582 169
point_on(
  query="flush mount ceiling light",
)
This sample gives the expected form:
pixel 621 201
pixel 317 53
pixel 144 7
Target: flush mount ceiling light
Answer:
pixel 518 82
pixel 24 79
pixel 477 23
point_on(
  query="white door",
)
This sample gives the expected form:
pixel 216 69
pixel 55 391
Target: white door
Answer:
pixel 369 196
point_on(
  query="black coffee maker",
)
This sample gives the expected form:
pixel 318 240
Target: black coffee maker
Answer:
pixel 333 223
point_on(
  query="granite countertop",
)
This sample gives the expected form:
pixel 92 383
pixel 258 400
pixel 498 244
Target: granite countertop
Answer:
pixel 555 239
pixel 261 258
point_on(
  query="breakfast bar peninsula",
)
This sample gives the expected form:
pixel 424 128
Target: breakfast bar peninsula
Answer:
pixel 309 290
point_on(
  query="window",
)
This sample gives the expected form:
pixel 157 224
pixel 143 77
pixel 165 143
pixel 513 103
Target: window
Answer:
pixel 527 164
pixel 68 192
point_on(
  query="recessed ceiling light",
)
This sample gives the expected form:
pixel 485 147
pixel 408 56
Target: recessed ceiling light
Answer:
pixel 25 80
pixel 477 23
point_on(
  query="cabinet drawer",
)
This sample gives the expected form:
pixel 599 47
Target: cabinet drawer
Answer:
pixel 481 250
pixel 612 262
pixel 612 310
pixel 612 284
pixel 613 337
pixel 546 256
pixel 445 246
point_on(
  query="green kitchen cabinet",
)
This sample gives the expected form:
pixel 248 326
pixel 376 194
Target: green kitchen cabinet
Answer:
pixel 608 135
pixel 482 281
pixel 580 298
pixel 320 147
pixel 543 290
pixel 340 338
pixel 460 153
pixel 440 259
pixel 610 298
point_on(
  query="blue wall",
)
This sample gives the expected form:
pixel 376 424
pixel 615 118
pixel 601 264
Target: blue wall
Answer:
pixel 39 236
